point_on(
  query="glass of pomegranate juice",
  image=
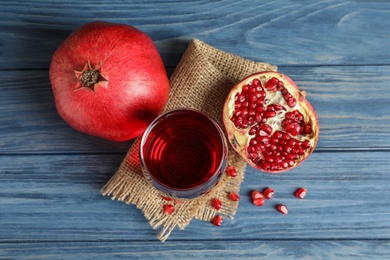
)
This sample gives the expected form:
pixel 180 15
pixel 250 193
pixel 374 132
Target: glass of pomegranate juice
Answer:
pixel 183 153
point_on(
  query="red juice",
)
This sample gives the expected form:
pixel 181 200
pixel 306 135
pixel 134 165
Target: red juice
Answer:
pixel 183 153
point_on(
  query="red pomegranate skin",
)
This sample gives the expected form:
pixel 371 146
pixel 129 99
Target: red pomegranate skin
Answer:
pixel 135 87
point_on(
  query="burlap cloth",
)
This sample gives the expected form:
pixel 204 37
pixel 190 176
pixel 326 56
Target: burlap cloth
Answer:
pixel 202 80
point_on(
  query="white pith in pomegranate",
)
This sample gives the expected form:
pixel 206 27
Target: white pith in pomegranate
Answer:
pixel 270 123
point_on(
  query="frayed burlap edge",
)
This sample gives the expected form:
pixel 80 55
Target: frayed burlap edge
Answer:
pixel 202 79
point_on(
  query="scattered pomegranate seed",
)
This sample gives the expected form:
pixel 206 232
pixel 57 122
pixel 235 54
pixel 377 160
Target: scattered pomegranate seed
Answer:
pixel 300 193
pixel 216 203
pixel 232 171
pixel 168 209
pixel 166 198
pixel 268 193
pixel 172 199
pixel 179 201
pixel 259 202
pixel 282 209
pixel 217 220
pixel 233 196
pixel 256 195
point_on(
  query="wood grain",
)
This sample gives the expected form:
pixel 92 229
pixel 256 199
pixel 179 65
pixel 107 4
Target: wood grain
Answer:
pixel 353 114
pixel 57 197
pixel 51 175
pixel 279 32
pixel 250 249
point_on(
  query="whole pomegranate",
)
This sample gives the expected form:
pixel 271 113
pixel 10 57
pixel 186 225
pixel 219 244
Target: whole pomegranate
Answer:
pixel 108 80
pixel 270 123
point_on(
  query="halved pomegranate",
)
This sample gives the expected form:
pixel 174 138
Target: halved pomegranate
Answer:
pixel 270 123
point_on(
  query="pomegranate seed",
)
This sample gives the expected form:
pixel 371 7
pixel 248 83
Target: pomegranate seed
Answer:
pixel 287 149
pixel 256 195
pixel 301 151
pixel 269 158
pixel 258 202
pixel 269 114
pixel 285 165
pixel 286 136
pixel 306 144
pixel 282 209
pixel 258 117
pixel 245 88
pixel 216 203
pixel 290 163
pixel 168 209
pixel 217 220
pixel 301 193
pixel 276 107
pixel 280 85
pixel 262 139
pixel 252 99
pixel 251 96
pixel 307 129
pixel 253 130
pixel 179 201
pixel 291 102
pixel 232 171
pixel 291 142
pixel 268 193
pixel 271 84
pixel 166 198
pixel 278 134
pixel 233 196
pixel 266 128
pixel 244 112
pixel 252 142
pixel 256 82
pixel 252 112
pixel 265 166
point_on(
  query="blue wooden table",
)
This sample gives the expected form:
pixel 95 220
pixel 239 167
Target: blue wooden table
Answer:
pixel 50 175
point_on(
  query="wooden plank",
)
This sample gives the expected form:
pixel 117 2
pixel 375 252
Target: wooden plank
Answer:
pixel 288 32
pixel 57 198
pixel 30 122
pixel 353 113
pixel 253 249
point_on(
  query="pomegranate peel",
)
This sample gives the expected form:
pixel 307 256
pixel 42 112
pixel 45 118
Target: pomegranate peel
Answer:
pixel 270 123
pixel 108 80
